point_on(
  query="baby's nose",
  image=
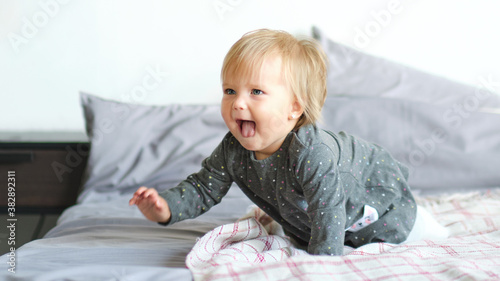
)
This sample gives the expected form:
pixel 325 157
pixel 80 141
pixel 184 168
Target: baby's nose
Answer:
pixel 239 103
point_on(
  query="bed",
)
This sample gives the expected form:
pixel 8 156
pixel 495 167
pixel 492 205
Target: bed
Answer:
pixel 446 133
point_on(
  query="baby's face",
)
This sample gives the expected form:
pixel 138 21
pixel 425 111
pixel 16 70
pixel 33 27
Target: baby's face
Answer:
pixel 258 108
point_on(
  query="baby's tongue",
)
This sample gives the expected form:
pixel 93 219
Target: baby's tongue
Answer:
pixel 248 129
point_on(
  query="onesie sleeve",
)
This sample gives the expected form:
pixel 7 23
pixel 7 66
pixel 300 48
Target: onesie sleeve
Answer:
pixel 324 194
pixel 200 191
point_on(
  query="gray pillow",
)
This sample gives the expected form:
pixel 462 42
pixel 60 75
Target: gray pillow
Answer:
pixel 439 128
pixel 354 73
pixel 156 146
pixel 444 155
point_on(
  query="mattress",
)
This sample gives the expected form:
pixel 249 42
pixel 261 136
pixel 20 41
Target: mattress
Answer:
pixel 110 240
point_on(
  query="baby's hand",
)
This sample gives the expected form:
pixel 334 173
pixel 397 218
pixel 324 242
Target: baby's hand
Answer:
pixel 265 219
pixel 152 205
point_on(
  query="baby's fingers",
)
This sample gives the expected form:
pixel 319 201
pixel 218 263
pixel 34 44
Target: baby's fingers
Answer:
pixel 151 195
pixel 138 195
pixel 148 198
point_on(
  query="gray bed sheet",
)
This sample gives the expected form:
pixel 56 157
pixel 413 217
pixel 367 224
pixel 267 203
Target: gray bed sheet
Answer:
pixel 113 241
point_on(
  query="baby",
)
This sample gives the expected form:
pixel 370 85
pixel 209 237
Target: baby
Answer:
pixel 327 190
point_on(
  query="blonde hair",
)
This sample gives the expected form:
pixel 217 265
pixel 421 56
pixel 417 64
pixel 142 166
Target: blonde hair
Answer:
pixel 303 62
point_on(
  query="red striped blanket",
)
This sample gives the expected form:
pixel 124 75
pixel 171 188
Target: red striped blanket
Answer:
pixel 247 250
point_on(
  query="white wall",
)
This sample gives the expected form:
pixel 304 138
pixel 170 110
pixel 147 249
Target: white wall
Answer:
pixel 159 52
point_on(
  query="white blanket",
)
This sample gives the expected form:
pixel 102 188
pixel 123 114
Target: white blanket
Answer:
pixel 248 250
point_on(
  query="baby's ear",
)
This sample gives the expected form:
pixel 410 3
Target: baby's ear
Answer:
pixel 296 110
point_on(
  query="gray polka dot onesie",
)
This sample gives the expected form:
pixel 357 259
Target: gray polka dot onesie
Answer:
pixel 325 189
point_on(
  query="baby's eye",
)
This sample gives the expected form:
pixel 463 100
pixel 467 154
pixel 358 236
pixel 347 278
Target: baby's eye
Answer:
pixel 229 92
pixel 257 92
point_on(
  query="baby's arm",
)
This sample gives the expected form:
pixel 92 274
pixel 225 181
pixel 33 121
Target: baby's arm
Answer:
pixel 191 197
pixel 152 205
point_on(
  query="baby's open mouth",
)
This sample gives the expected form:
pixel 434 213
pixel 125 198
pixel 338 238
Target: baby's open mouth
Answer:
pixel 247 128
